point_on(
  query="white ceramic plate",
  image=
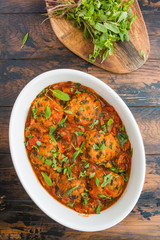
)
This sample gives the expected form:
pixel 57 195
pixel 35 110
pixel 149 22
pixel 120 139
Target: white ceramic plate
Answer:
pixel 39 195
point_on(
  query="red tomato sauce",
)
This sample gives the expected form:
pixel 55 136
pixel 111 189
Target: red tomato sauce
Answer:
pixel 78 147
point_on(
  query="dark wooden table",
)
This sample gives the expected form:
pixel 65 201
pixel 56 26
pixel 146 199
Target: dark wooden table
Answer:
pixel 20 218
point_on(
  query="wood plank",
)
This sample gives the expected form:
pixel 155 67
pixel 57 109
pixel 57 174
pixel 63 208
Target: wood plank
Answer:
pixel 42 42
pixel 141 88
pixel 18 6
pixel 38 6
pixel 22 219
pixel 148 119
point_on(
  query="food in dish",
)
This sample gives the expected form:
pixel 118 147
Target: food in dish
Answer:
pixel 78 147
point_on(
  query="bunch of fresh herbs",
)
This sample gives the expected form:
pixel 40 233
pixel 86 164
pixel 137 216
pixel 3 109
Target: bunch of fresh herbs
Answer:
pixel 103 21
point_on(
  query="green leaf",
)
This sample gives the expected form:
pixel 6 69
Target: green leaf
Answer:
pixel 91 175
pixel 100 27
pixel 86 33
pixel 47 112
pixel 61 95
pixel 67 111
pixel 122 138
pixel 143 54
pixel 82 174
pixel 38 143
pixel 52 129
pixel 79 150
pixel 79 133
pixel 95 146
pixel 86 165
pixel 97 182
pixel 24 40
pixel 46 178
pixel 69 191
pixel 103 196
pixel 34 146
pixel 112 27
pixel 59 169
pixel 107 180
pixel 123 16
pixel 98 209
pixel 48 162
pixel 98 146
pixel 70 204
pixel 81 109
pixel 110 121
pixel 61 124
pixel 34 111
pixel 116 170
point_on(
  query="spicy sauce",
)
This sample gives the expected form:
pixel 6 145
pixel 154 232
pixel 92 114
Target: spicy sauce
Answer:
pixel 78 147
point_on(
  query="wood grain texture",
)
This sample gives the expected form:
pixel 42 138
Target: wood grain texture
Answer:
pixel 141 88
pixel 38 6
pixel 148 119
pixel 42 42
pixel 127 55
pixel 22 219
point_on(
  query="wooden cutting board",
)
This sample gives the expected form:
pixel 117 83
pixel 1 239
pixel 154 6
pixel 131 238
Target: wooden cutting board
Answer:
pixel 127 55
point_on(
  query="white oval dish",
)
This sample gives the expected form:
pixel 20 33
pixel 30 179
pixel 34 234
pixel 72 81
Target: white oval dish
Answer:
pixel 39 195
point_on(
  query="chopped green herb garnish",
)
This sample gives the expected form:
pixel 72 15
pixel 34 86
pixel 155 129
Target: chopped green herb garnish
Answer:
pixel 125 178
pixel 60 95
pixel 34 146
pixel 47 112
pixel 101 114
pixel 30 136
pixel 79 133
pixel 116 170
pixel 79 150
pixel 97 181
pixel 104 128
pixel 91 175
pixel 70 204
pixel 46 178
pixel 86 165
pixel 82 174
pixel 143 54
pixel 98 146
pixel 72 89
pixel 51 133
pixel 38 143
pixel 67 111
pixel 121 129
pixel 107 179
pixel 62 123
pixel 24 40
pixel 95 122
pixel 103 196
pixel 81 109
pixel 78 85
pixel 98 209
pixel 78 92
pixel 69 191
pixel 48 162
pixel 110 121
pixel 26 143
pixel 122 138
pixel 59 169
pixel 34 111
